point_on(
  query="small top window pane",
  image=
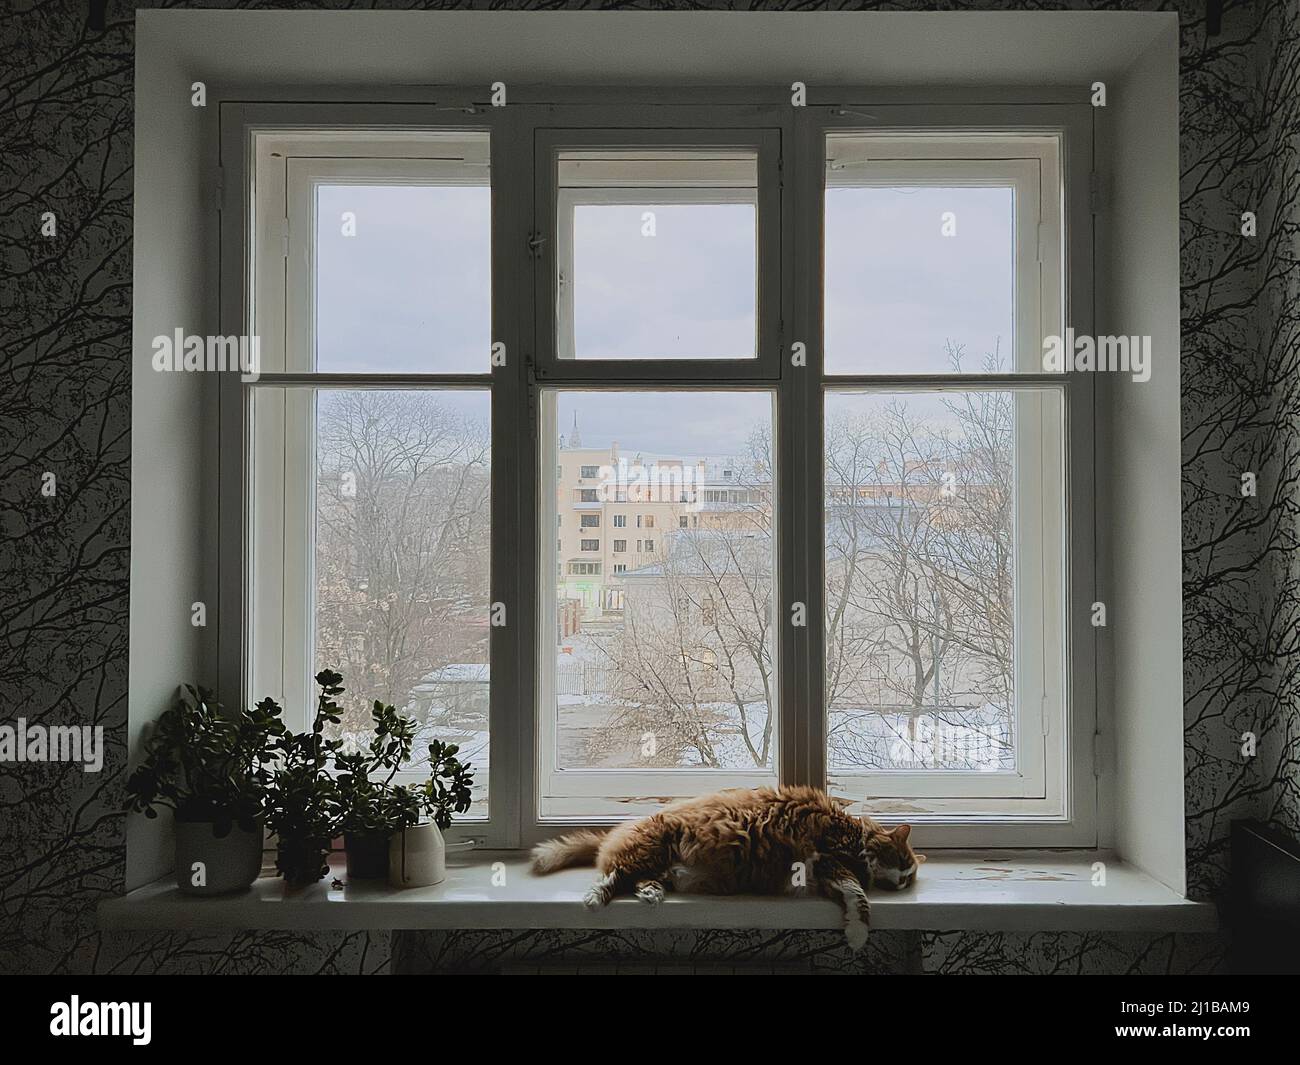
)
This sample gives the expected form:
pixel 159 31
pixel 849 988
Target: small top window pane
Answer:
pixel 403 279
pixel 920 263
pixel 656 254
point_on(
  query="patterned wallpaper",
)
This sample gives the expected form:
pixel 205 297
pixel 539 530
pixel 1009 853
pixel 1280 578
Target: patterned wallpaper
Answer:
pixel 66 148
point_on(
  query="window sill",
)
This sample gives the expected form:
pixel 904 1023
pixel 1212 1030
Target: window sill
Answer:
pixel 1029 893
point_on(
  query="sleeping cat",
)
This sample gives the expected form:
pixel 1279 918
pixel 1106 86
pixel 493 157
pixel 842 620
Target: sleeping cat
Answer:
pixel 738 841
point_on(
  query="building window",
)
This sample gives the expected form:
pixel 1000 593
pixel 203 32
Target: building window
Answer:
pixel 370 509
pixel 944 555
pixel 649 676
pixel 935 527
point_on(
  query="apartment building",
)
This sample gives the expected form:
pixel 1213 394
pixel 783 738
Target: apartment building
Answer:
pixel 617 508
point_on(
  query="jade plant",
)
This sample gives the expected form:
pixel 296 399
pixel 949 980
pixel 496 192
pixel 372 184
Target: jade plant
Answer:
pixel 365 778
pixel 304 806
pixel 445 791
pixel 205 764
pixel 373 804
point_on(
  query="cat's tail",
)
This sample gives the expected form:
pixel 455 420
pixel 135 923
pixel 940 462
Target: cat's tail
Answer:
pixel 577 848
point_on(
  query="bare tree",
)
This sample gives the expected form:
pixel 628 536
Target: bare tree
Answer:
pixel 692 661
pixel 920 601
pixel 401 544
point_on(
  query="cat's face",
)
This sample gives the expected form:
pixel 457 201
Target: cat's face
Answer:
pixel 894 864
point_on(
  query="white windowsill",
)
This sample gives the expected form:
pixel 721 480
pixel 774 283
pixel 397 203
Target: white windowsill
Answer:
pixel 1030 893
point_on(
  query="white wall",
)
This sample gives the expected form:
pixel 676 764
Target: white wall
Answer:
pixel 1139 464
pixel 171 441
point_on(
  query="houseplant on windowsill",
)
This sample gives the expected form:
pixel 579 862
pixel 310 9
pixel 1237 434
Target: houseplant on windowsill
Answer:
pixel 303 805
pixel 417 854
pixel 369 805
pixel 210 769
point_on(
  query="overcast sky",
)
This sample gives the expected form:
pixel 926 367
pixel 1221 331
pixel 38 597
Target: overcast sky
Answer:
pixel 409 292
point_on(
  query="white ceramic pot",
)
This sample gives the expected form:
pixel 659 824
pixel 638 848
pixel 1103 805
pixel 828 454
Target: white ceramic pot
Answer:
pixel 417 857
pixel 212 864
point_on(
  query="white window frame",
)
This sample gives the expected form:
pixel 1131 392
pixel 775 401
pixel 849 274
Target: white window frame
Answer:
pixel 1030 165
pixel 284 165
pixel 524 317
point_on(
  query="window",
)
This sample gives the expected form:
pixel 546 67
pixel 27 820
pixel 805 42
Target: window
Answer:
pixel 371 507
pixel 678 229
pixel 943 504
pixel 632 704
pixel 868 569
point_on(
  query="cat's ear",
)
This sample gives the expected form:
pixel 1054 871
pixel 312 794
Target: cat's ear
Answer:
pixel 841 801
pixel 901 833
pixel 920 859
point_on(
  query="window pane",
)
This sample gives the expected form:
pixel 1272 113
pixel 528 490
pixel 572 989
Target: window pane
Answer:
pixel 920 267
pixel 903 298
pixel 402 531
pixel 925 559
pixel 662 642
pixel 403 278
pixel 657 255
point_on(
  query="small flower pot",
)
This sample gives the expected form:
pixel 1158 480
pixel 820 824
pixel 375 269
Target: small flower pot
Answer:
pixel 214 859
pixel 302 862
pixel 367 854
pixel 417 857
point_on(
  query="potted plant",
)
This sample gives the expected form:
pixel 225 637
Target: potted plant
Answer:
pixel 210 769
pixel 367 793
pixel 417 854
pixel 303 805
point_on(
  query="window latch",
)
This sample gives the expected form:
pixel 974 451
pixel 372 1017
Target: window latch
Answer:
pixel 535 242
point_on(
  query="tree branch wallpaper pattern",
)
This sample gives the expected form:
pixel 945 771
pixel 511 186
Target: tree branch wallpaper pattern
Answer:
pixel 65 399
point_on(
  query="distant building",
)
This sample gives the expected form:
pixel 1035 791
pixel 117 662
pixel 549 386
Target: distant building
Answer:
pixel 617 512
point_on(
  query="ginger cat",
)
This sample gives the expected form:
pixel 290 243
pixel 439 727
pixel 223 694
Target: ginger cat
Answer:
pixel 744 841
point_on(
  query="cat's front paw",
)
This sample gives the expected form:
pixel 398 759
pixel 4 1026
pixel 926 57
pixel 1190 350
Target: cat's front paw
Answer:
pixel 856 932
pixel 597 896
pixel 650 891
